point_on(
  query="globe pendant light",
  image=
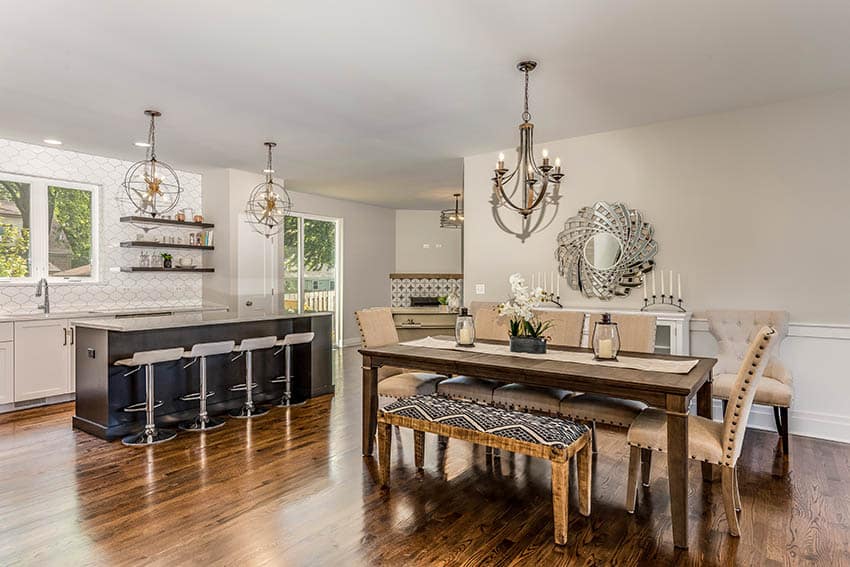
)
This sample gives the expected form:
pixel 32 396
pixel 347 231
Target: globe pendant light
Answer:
pixel 269 202
pixel 531 181
pixel 151 186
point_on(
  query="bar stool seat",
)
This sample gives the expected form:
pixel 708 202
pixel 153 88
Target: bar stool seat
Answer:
pixel 151 434
pixel 246 348
pixel 199 353
pixel 286 345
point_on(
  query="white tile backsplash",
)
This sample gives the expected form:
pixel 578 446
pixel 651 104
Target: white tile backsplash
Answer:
pixel 116 289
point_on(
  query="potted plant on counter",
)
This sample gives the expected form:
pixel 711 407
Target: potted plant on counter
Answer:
pixel 527 331
pixel 166 260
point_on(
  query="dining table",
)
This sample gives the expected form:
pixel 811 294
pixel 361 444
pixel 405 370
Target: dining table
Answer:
pixel 671 391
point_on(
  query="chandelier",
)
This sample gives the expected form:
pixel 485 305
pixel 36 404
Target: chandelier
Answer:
pixel 531 181
pixel 452 218
pixel 150 185
pixel 269 202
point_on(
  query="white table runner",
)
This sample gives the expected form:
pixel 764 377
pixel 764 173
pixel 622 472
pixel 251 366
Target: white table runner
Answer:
pixel 648 364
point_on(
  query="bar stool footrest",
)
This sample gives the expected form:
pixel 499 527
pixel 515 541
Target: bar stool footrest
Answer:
pixel 281 380
pixel 195 397
pixel 142 406
pixel 242 387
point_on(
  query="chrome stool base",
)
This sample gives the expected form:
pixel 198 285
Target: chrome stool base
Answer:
pixel 247 413
pixel 200 424
pixel 146 438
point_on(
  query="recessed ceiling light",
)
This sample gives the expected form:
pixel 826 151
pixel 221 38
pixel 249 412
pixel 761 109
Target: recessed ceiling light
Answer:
pixel 52 142
pixel 142 144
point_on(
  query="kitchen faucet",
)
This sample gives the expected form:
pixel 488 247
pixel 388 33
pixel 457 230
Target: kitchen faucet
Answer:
pixel 46 305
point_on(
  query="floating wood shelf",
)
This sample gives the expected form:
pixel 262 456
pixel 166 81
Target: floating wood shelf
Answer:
pixel 145 244
pixel 175 269
pixel 167 222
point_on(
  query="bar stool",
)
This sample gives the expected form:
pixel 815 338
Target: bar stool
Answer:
pixel 247 348
pixel 200 352
pixel 286 346
pixel 151 435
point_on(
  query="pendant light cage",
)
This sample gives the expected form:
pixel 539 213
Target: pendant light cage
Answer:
pixel 151 187
pixel 269 203
pixel 452 218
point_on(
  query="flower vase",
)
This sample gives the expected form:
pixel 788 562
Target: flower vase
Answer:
pixel 530 345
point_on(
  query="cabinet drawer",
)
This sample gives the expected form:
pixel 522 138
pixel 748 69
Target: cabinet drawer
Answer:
pixel 7 332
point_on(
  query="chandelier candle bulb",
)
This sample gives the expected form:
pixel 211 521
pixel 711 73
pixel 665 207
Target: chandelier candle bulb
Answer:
pixel 545 156
pixel 501 164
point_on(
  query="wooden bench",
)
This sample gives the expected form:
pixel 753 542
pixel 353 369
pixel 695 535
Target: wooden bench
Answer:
pixel 546 437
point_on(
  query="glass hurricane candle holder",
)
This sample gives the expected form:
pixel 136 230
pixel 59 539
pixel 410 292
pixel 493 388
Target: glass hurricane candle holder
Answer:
pixel 606 339
pixel 465 329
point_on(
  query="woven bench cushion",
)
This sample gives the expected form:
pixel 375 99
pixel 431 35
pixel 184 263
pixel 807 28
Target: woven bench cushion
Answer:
pixel 542 430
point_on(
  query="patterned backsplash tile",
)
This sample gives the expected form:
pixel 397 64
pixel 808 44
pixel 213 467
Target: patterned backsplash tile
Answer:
pixel 115 289
pixel 403 288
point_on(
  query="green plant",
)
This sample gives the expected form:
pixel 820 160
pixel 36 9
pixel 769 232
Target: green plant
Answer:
pixel 166 256
pixel 14 251
pixel 443 299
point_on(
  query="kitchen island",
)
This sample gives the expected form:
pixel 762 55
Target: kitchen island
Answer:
pixel 103 390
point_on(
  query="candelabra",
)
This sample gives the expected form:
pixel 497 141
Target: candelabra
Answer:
pixel 664 301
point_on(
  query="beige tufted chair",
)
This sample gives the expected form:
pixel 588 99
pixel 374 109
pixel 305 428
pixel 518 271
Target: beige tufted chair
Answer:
pixel 377 329
pixel 718 443
pixel 489 325
pixel 566 330
pixel 637 334
pixel 734 330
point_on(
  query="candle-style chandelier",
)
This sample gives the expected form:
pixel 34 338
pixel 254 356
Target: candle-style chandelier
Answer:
pixel 150 185
pixel 532 181
pixel 452 218
pixel 269 202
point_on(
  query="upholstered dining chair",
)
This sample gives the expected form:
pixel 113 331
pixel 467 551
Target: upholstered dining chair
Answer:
pixel 718 443
pixel 488 325
pixel 377 329
pixel 637 334
pixel 566 330
pixel 734 331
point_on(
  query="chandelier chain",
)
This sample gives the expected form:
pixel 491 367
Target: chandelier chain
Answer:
pixel 269 170
pixel 526 115
pixel 151 153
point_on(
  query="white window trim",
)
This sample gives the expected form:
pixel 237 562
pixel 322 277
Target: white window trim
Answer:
pixel 39 241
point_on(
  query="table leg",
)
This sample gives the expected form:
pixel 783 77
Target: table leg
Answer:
pixel 710 472
pixel 370 405
pixel 677 471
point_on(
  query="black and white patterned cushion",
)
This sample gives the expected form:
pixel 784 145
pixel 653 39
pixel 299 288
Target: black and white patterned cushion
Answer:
pixel 542 430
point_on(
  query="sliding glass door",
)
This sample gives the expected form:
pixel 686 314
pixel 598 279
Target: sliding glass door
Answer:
pixel 310 266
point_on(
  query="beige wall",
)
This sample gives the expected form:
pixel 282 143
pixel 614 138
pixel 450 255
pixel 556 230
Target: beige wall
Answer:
pixel 249 259
pixel 422 246
pixel 751 206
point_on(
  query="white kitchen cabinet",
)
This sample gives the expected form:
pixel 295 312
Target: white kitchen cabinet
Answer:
pixel 7 372
pixel 42 359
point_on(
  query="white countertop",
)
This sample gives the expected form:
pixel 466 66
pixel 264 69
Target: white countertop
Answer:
pixel 188 320
pixel 82 313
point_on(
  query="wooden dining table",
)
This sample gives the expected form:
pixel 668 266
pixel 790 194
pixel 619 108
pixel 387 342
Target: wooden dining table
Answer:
pixel 672 392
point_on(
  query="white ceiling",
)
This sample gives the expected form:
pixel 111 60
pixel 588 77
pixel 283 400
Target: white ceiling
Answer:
pixel 377 101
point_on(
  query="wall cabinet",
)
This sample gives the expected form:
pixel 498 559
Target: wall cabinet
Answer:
pixel 7 372
pixel 43 353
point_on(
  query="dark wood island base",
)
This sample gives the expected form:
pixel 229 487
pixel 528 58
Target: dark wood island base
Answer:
pixel 104 390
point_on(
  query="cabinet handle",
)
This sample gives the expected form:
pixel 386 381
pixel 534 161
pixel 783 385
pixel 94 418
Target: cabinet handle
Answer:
pixel 72 329
pixel 65 336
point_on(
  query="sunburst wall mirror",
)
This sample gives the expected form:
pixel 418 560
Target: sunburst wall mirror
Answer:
pixel 605 250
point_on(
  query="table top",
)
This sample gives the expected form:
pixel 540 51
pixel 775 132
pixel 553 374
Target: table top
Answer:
pixel 549 373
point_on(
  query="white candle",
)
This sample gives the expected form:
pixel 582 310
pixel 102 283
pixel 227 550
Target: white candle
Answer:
pixel 466 336
pixel 540 281
pixel 558 285
pixel 552 282
pixel 642 280
pixel 606 348
pixel 679 281
pixel 662 283
pixel 532 281
pixel 653 283
pixel 671 283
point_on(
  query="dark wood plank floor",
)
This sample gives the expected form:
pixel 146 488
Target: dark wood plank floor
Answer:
pixel 292 489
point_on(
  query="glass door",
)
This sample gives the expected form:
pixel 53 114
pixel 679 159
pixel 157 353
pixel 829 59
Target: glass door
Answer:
pixel 310 267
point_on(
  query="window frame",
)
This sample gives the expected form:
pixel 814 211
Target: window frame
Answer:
pixel 39 258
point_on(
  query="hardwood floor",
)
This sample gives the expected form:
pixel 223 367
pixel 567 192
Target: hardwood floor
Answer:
pixel 291 488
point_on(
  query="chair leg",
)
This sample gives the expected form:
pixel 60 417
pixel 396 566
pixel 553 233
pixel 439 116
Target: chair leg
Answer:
pixel 584 466
pixel 724 404
pixel 419 449
pixel 442 440
pixel 593 436
pixel 728 489
pixel 385 440
pixel 645 465
pixel 783 412
pixel 560 499
pixel 631 485
pixel 737 492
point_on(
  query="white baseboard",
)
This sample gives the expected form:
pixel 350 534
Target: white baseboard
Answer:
pixel 806 424
pixel 353 341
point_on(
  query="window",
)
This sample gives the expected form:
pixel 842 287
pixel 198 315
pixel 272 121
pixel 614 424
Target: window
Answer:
pixel 48 228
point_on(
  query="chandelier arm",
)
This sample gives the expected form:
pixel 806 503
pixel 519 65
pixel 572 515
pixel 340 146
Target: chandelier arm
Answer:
pixel 507 199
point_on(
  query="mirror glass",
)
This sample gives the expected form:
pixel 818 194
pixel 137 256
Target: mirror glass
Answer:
pixel 602 251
